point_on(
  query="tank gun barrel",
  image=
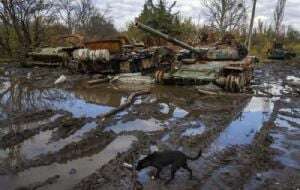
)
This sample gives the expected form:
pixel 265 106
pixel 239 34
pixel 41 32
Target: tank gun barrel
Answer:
pixel 167 37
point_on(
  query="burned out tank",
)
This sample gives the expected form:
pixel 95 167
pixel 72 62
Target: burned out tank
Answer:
pixel 279 52
pixel 107 56
pixel 225 64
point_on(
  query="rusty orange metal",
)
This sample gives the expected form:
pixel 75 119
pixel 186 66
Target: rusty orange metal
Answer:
pixel 75 40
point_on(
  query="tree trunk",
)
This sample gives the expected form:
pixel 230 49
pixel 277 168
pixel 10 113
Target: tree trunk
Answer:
pixel 251 25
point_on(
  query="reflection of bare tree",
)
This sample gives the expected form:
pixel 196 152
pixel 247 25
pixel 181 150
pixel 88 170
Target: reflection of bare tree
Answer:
pixel 11 158
pixel 21 97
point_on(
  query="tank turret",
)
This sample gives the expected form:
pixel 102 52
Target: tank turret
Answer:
pixel 225 63
pixel 220 52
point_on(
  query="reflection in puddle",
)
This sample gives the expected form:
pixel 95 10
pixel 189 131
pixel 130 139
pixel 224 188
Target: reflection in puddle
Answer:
pixel 293 78
pixel 166 137
pixel 79 107
pixel 150 125
pixel 197 128
pixel 4 86
pixel 25 98
pixel 275 89
pixel 242 130
pixel 193 131
pixel 144 176
pixel 179 113
pixel 290 119
pixel 41 143
pixel 85 166
pixel 286 139
pixel 35 124
pixel 3 115
pixel 164 108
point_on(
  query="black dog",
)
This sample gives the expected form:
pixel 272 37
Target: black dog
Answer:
pixel 159 160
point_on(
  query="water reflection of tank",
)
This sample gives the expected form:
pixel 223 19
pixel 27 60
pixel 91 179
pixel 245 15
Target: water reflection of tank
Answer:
pixel 103 96
pixel 225 64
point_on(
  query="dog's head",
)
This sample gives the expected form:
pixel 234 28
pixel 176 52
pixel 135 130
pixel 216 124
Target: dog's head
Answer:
pixel 145 162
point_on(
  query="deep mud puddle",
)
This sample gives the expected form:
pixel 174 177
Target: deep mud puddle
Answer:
pixel 248 123
pixel 72 172
pixel 43 143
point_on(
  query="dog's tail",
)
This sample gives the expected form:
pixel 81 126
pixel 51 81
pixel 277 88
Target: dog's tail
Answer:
pixel 195 158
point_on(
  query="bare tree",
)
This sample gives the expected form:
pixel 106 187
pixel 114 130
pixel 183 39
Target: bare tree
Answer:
pixel 66 12
pixel 260 26
pixel 42 18
pixel 4 32
pixel 225 15
pixel 17 16
pixel 84 10
pixel 27 24
pixel 91 21
pixel 278 16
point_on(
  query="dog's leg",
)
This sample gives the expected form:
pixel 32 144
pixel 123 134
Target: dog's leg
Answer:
pixel 185 166
pixel 157 176
pixel 173 171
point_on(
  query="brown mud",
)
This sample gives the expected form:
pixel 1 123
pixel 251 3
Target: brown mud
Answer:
pixel 249 141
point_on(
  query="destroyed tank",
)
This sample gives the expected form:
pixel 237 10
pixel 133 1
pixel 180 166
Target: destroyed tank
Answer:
pixel 106 56
pixel 279 52
pixel 50 56
pixel 226 64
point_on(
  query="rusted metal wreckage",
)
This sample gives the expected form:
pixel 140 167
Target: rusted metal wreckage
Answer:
pixel 111 56
pixel 225 64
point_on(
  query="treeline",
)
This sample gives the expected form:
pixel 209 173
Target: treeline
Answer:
pixel 224 16
pixel 264 35
pixel 27 24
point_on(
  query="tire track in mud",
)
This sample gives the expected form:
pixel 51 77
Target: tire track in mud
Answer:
pixel 66 124
pixel 91 144
pixel 110 176
pixel 72 172
pixel 216 125
pixel 27 117
pixel 251 159
pixel 232 167
pixel 114 175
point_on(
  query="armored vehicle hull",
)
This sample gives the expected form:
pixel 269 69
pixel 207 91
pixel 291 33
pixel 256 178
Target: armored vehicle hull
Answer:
pixel 225 64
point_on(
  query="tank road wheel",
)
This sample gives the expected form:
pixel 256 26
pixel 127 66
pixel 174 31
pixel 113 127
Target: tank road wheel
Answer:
pixel 159 76
pixel 228 83
pixel 235 83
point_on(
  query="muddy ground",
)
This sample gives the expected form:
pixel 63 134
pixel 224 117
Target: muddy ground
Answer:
pixel 52 136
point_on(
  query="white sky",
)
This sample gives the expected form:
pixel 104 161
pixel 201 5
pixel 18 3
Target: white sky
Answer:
pixel 124 11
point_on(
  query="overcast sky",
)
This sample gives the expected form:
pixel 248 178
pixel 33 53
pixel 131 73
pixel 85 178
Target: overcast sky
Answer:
pixel 124 11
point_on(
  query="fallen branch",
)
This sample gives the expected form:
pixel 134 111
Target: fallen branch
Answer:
pixel 129 101
pixel 98 81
